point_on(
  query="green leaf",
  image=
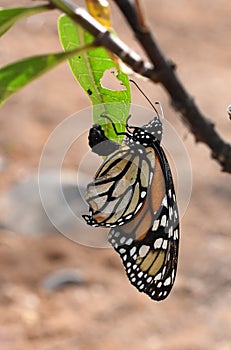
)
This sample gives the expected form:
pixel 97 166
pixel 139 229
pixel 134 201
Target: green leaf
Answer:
pixel 8 17
pixel 89 68
pixel 18 74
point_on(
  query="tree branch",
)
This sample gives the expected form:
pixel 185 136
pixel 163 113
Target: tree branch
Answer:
pixel 161 70
pixel 202 128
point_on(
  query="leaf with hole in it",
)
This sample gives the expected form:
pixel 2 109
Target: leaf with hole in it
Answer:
pixel 90 69
pixel 8 17
pixel 18 74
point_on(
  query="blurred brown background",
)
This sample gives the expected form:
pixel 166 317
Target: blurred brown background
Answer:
pixel 106 312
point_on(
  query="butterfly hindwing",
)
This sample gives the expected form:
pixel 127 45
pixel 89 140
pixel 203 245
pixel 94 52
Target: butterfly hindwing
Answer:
pixel 148 245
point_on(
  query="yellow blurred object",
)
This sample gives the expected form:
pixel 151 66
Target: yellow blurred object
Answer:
pixel 100 10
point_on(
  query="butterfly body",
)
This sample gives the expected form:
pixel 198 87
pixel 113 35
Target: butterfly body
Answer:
pixel 133 194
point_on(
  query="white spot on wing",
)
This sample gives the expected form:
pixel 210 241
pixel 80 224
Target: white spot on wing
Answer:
pixel 132 251
pixel 176 236
pixel 170 232
pixel 129 241
pixel 143 250
pixel 167 281
pixel 170 213
pixel 122 240
pixel 164 202
pixel 155 225
pixel 122 251
pixel 165 244
pixel 164 270
pixel 158 243
pixel 138 207
pixel 158 277
pixel 163 220
pixel 129 217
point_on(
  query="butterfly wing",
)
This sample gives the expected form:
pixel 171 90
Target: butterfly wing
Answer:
pixel 148 245
pixel 148 240
pixel 120 187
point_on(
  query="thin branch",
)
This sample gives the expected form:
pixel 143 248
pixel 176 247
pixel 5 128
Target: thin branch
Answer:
pixel 159 70
pixel 202 128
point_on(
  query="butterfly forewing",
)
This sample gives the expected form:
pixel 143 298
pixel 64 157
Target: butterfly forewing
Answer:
pixel 120 186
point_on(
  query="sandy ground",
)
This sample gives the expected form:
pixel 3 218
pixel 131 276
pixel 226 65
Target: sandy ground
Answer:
pixel 106 312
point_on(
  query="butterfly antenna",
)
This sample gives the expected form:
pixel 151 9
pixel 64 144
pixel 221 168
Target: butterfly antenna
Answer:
pixel 161 109
pixel 150 102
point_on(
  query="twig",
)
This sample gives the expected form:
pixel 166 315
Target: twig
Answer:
pixel 202 128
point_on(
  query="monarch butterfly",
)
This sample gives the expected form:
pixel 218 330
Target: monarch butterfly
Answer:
pixel 133 193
